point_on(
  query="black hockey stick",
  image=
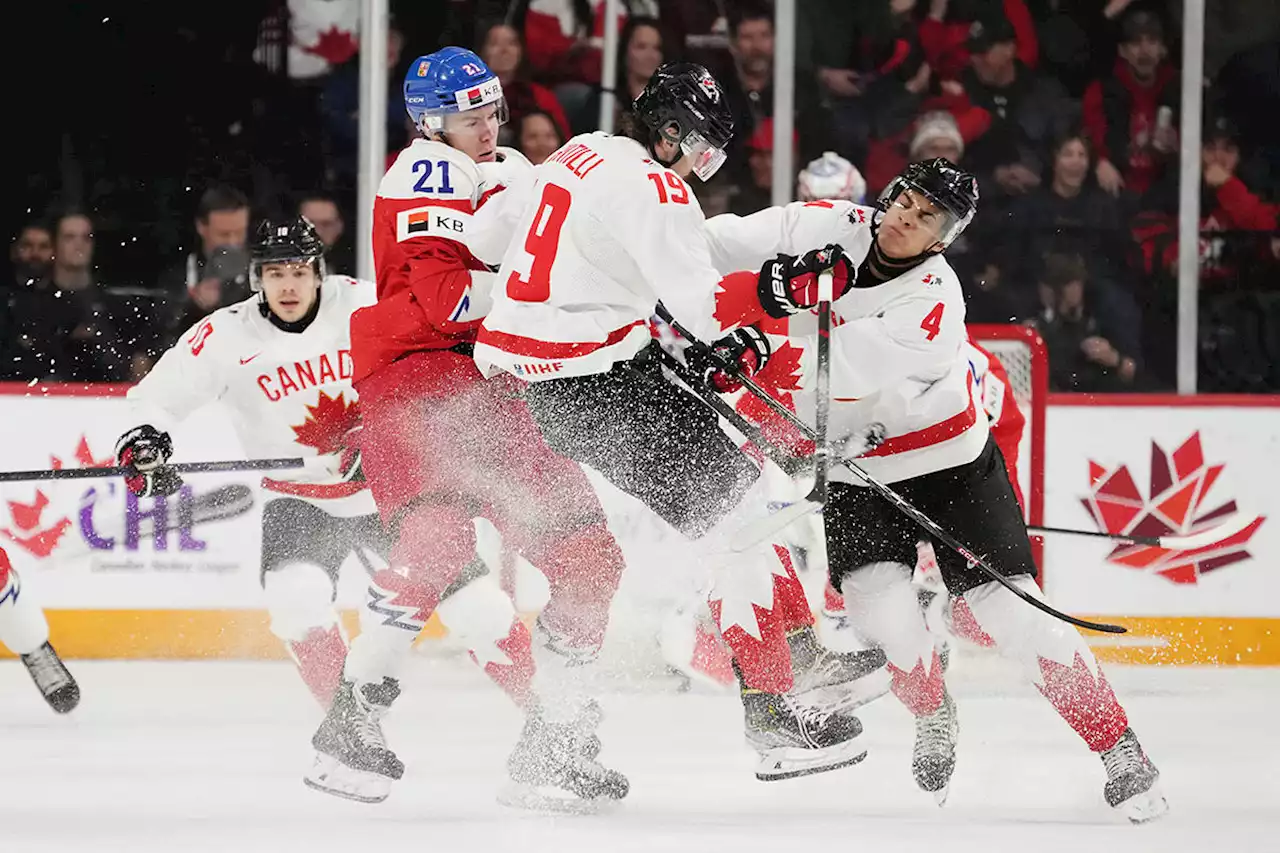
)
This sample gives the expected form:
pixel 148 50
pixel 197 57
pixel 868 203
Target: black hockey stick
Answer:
pixel 822 388
pixel 228 466
pixel 793 465
pixel 1119 537
pixel 905 506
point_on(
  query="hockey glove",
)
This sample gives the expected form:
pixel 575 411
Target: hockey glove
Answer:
pixel 789 284
pixel 745 352
pixel 143 452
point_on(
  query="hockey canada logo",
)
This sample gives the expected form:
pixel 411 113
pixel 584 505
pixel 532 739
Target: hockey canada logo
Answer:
pixel 1180 484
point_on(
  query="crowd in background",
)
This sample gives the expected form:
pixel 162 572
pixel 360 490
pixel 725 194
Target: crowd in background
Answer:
pixel 1068 112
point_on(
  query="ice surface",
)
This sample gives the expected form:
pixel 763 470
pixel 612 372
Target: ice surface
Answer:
pixel 209 757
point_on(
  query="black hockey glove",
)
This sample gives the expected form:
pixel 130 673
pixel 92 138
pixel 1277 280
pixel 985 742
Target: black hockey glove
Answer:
pixel 143 452
pixel 744 352
pixel 789 284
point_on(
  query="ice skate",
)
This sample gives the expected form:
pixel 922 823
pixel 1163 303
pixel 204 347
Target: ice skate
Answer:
pixel 1133 782
pixel 794 739
pixel 53 679
pixel 933 758
pixel 837 681
pixel 352 759
pixel 554 768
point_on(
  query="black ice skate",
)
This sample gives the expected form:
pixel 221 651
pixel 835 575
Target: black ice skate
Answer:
pixel 837 681
pixel 933 759
pixel 796 739
pixel 554 766
pixel 352 759
pixel 1133 781
pixel 52 679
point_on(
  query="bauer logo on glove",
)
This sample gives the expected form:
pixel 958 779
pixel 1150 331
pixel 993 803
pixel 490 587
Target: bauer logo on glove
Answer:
pixel 788 284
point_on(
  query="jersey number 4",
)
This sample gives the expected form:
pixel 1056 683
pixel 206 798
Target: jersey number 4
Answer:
pixel 541 243
pixel 932 323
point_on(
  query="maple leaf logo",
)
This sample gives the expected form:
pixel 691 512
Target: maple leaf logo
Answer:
pixel 30 535
pixel 780 376
pixel 328 423
pixel 1179 485
pixel 84 456
pixel 333 45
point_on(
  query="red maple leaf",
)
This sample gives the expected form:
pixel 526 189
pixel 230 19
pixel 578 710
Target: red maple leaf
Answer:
pixel 920 690
pixel 334 46
pixel 42 543
pixel 328 423
pixel 1180 483
pixel 26 517
pixel 780 376
pixel 1084 700
pixel 84 456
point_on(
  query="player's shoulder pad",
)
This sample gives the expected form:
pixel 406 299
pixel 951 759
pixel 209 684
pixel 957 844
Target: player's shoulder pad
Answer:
pixel 352 292
pixel 937 276
pixel 503 171
pixel 427 169
pixel 219 329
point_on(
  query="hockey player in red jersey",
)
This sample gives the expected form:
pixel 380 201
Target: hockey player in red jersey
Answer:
pixel 442 446
pixel 25 632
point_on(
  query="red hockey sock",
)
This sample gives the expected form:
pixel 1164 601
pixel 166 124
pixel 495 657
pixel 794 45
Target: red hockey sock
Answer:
pixel 320 658
pixel 920 690
pixel 1085 700
pixel 755 604
pixel 711 656
pixel 515 674
pixel 435 542
pixel 832 600
pixel 583 570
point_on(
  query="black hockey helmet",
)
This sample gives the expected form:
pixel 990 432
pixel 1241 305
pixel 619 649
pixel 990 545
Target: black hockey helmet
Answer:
pixel 945 184
pixel 682 103
pixel 283 243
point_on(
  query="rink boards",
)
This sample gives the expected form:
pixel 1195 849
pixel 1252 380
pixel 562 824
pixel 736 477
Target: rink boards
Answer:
pixel 124 578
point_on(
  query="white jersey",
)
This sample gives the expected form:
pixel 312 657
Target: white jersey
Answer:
pixel 604 232
pixel 899 353
pixel 288 394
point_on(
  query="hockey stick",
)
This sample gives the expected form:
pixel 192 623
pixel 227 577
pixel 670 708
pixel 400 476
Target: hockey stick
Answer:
pixel 822 389
pixel 1170 542
pixel 228 466
pixel 905 506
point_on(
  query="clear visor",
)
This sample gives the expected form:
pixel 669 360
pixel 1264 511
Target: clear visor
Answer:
pixel 911 206
pixel 705 157
pixel 474 122
pixel 256 269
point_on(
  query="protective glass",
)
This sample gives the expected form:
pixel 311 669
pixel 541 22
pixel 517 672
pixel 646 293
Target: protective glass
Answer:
pixel 705 157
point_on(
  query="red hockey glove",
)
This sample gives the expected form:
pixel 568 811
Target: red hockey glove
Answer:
pixel 745 352
pixel 143 452
pixel 789 284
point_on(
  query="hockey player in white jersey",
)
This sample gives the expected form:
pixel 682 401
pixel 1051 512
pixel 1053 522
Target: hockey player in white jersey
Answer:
pixel 280 361
pixel 899 358
pixel 607 228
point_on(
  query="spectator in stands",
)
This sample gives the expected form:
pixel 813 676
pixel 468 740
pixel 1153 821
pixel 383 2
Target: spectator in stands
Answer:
pixel 946 33
pixel 217 273
pixel 1021 111
pixel 699 31
pixel 868 64
pixel 539 137
pixel 1070 215
pixel 641 49
pixel 340 107
pixel 31 254
pixel 503 51
pixel 1131 115
pixel 64 325
pixel 565 48
pixel 756 194
pixel 1088 349
pixel 321 210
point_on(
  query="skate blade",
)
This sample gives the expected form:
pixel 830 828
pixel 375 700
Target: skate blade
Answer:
pixel 782 763
pixel 551 800
pixel 1145 807
pixel 332 777
pixel 940 795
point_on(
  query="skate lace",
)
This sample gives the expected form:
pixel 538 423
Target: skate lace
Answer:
pixel 1124 757
pixel 48 674
pixel 369 723
pixel 933 729
pixel 811 717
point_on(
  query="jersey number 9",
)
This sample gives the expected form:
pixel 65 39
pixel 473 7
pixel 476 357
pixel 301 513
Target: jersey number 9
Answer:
pixel 541 243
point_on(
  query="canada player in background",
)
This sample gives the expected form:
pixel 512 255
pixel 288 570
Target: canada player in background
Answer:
pixel 607 227
pixel 280 361
pixel 25 632
pixel 442 445
pixel 899 358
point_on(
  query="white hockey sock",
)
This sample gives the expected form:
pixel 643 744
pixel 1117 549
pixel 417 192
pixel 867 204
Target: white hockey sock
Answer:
pixel 23 627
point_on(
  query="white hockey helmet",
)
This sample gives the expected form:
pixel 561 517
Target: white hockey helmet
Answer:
pixel 832 176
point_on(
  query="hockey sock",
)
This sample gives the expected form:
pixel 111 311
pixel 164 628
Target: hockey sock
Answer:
pixel 480 616
pixel 23 627
pixel 320 658
pixel 583 570
pixel 882 607
pixel 1056 658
